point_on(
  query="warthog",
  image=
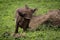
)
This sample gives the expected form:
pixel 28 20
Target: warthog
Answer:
pixel 23 16
pixel 38 20
pixel 52 17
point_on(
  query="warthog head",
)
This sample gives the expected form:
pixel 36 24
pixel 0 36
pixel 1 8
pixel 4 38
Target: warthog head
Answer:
pixel 26 12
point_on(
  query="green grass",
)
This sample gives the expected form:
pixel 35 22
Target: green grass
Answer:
pixel 7 19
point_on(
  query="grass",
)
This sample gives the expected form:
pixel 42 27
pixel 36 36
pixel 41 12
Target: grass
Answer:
pixel 7 19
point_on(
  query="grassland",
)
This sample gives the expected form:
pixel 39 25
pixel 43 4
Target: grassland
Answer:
pixel 7 19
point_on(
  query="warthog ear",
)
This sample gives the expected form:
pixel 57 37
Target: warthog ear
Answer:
pixel 26 6
pixel 34 10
